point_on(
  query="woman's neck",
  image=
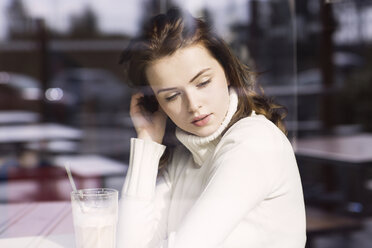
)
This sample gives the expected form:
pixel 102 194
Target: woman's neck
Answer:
pixel 199 146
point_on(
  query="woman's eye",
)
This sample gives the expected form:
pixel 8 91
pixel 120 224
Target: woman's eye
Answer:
pixel 172 97
pixel 203 83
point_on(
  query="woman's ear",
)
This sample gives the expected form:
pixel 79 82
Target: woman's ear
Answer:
pixel 149 103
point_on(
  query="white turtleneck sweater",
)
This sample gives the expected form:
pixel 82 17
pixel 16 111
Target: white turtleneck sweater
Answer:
pixel 239 190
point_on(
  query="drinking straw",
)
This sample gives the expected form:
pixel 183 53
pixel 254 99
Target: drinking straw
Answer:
pixel 73 185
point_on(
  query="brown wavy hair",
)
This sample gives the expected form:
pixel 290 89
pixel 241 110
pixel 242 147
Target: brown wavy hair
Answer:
pixel 163 35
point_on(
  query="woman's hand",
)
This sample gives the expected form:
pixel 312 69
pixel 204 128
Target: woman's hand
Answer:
pixel 150 126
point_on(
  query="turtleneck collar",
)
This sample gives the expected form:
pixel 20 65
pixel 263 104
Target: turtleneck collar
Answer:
pixel 202 147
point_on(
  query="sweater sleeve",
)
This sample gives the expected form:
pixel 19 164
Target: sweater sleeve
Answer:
pixel 144 199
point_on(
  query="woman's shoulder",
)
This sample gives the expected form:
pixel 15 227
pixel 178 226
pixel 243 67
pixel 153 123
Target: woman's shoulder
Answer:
pixel 254 127
pixel 254 134
pixel 255 137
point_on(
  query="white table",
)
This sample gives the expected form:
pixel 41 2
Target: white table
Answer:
pixel 345 149
pixel 55 146
pixel 38 132
pixel 89 167
pixel 18 117
pixel 351 154
pixel 50 183
pixel 36 225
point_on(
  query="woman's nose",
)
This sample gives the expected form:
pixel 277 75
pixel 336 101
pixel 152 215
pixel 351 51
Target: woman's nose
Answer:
pixel 193 103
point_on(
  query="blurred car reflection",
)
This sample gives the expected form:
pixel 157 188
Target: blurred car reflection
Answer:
pixel 19 91
pixel 88 95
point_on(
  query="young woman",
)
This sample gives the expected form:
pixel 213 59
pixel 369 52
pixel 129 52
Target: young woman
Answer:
pixel 232 181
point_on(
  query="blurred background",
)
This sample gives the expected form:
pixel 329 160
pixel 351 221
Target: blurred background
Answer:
pixel 63 98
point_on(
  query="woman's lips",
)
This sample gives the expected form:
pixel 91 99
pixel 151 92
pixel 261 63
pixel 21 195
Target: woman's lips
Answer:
pixel 201 120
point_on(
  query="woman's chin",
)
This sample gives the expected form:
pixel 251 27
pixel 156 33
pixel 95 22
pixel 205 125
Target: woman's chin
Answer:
pixel 204 132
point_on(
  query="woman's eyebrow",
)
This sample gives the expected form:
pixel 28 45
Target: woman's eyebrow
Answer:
pixel 199 73
pixel 195 77
pixel 165 89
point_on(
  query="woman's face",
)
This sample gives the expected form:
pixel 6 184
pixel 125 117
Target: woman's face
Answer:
pixel 191 88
